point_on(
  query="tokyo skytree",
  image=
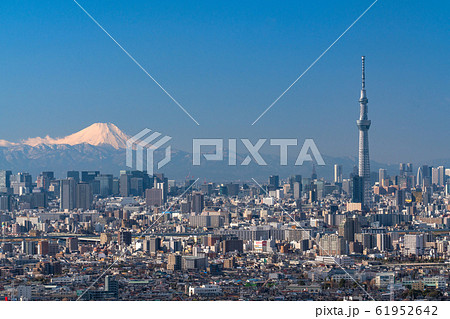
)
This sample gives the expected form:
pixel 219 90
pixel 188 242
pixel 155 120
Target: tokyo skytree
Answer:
pixel 363 125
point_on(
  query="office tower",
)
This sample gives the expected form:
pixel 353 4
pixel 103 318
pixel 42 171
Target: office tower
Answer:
pixel 441 174
pixel 198 203
pixel 134 183
pixel 5 181
pixel 337 173
pixel 404 169
pixel 161 182
pixel 136 186
pixel 382 175
pixel 44 179
pixel 124 237
pixel 115 186
pixel 105 184
pixel 28 247
pixel 72 244
pixel 358 190
pixel 293 179
pixel 174 262
pixel 424 176
pixel 313 194
pixel 124 186
pixel 332 245
pixel 74 174
pixel 233 189
pixel 383 241
pixel 206 189
pixel 152 245
pixel 409 168
pixel 363 125
pixel 5 203
pixel 231 245
pixel 400 198
pixel 419 178
pixel 274 181
pixel 314 173
pixel 89 176
pixel 154 197
pixel 83 196
pixel 67 195
pixel 43 248
pixel 347 186
pixel 112 286
pixel 348 228
pixel 297 190
pixel 438 176
pixel 21 183
pixel 414 244
pixel 185 207
pixel 38 199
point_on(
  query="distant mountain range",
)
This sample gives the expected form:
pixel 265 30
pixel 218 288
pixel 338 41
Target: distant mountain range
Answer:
pixel 101 146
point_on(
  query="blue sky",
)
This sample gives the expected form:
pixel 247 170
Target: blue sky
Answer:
pixel 225 62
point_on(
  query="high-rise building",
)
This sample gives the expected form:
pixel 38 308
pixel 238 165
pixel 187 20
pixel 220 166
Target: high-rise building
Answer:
pixel 43 248
pixel 89 176
pixel 414 244
pixel 154 197
pixel 5 181
pixel 348 228
pixel 337 173
pixel 274 181
pixel 5 203
pixel 105 184
pixel 124 237
pixel 44 179
pixel 332 245
pixel 383 241
pixel 313 173
pixel 67 194
pixel 198 203
pixel 124 186
pixel 72 244
pixel 28 247
pixel 363 125
pixel 174 262
pixel 382 175
pixel 84 196
pixel 358 190
pixel 136 186
pixel 152 245
pixel 297 190
pixel 112 287
pixel 438 176
pixel 74 174
pixel 424 176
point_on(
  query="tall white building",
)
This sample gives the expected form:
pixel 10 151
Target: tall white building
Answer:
pixel 337 173
pixel 414 244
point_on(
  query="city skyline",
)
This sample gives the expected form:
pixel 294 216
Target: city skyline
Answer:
pixel 207 151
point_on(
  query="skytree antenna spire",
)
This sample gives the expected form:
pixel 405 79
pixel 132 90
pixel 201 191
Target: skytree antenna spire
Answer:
pixel 363 58
pixel 363 125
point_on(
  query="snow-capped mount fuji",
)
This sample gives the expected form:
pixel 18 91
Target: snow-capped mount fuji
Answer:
pixel 96 134
pixel 100 146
